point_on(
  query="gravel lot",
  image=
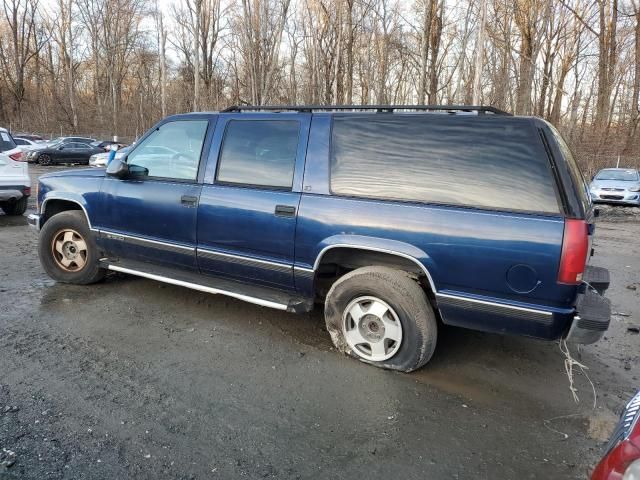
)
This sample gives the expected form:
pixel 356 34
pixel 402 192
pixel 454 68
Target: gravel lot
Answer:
pixel 135 379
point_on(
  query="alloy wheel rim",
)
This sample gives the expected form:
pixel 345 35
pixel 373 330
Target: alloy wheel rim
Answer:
pixel 44 160
pixel 372 328
pixel 69 250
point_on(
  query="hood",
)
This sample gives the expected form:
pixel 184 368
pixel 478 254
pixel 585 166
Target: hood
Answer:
pixel 79 172
pixel 596 184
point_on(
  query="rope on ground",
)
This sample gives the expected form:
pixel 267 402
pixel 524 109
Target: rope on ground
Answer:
pixel 569 363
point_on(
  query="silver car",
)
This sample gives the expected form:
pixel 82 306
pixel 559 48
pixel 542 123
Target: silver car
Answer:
pixel 101 159
pixel 616 185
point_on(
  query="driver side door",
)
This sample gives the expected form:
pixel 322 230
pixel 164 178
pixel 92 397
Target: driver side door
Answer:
pixel 152 217
pixel 65 152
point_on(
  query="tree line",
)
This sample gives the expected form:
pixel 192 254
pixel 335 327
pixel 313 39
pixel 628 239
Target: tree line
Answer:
pixel 115 67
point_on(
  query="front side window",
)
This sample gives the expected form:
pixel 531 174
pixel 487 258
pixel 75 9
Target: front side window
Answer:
pixel 172 150
pixel 473 161
pixel 259 153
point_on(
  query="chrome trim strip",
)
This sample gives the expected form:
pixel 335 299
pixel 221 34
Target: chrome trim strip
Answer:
pixel 42 209
pixel 214 255
pixel 201 288
pixel 304 269
pixel 494 304
pixel 376 249
pixel 144 241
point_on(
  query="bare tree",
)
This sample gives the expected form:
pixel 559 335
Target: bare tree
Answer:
pixel 18 46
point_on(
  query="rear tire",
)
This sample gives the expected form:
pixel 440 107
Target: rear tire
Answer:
pixel 68 251
pixel 16 208
pixel 393 325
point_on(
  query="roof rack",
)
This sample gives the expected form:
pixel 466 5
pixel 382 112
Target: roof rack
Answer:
pixel 480 109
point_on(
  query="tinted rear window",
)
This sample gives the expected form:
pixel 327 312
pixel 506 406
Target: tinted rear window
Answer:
pixel 484 162
pixel 6 142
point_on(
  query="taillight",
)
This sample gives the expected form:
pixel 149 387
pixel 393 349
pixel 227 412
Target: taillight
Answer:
pixel 26 191
pixel 575 246
pixel 18 156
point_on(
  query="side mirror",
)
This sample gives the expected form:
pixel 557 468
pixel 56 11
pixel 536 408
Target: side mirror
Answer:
pixel 117 169
pixel 61 147
pixel 137 171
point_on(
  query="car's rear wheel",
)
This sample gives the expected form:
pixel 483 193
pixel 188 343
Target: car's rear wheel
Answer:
pixel 381 316
pixel 16 208
pixel 68 251
pixel 44 159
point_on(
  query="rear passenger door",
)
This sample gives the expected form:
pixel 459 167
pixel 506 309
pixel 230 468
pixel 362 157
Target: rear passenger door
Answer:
pixel 249 201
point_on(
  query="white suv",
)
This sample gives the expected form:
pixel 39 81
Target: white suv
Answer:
pixel 15 185
pixel 8 146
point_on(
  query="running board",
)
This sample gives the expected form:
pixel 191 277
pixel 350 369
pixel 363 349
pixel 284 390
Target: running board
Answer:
pixel 263 296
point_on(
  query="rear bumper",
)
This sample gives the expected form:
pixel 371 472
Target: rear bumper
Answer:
pixel 14 191
pixel 10 194
pixel 592 318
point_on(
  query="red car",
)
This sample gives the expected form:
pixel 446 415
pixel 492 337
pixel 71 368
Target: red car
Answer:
pixel 622 460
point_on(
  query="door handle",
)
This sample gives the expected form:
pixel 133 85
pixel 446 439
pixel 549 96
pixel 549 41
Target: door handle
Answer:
pixel 189 200
pixel 285 211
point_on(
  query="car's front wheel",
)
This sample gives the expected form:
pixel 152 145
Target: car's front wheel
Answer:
pixel 44 159
pixel 68 251
pixel 383 317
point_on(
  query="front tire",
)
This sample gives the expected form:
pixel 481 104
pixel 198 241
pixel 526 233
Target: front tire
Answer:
pixel 44 160
pixel 381 316
pixel 68 251
pixel 16 208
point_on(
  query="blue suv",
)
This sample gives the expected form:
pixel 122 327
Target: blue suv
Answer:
pixel 397 218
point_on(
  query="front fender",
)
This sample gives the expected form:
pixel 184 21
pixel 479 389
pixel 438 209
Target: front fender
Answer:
pixel 83 192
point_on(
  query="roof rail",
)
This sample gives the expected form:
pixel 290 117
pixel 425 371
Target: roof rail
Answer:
pixel 480 109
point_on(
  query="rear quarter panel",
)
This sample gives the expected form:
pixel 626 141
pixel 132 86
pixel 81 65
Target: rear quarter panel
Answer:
pixel 506 258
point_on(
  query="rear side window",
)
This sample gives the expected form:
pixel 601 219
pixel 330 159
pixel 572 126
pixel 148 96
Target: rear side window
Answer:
pixel 473 161
pixel 259 153
pixel 576 175
pixel 6 142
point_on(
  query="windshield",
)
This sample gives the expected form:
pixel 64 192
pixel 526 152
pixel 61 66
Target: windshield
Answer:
pixel 623 175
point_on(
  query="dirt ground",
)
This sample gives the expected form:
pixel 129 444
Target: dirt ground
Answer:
pixel 135 379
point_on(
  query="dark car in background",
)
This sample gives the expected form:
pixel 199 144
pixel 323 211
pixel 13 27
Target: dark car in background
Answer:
pixel 59 140
pixel 63 152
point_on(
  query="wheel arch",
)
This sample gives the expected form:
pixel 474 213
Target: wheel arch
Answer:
pixel 392 254
pixel 54 205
